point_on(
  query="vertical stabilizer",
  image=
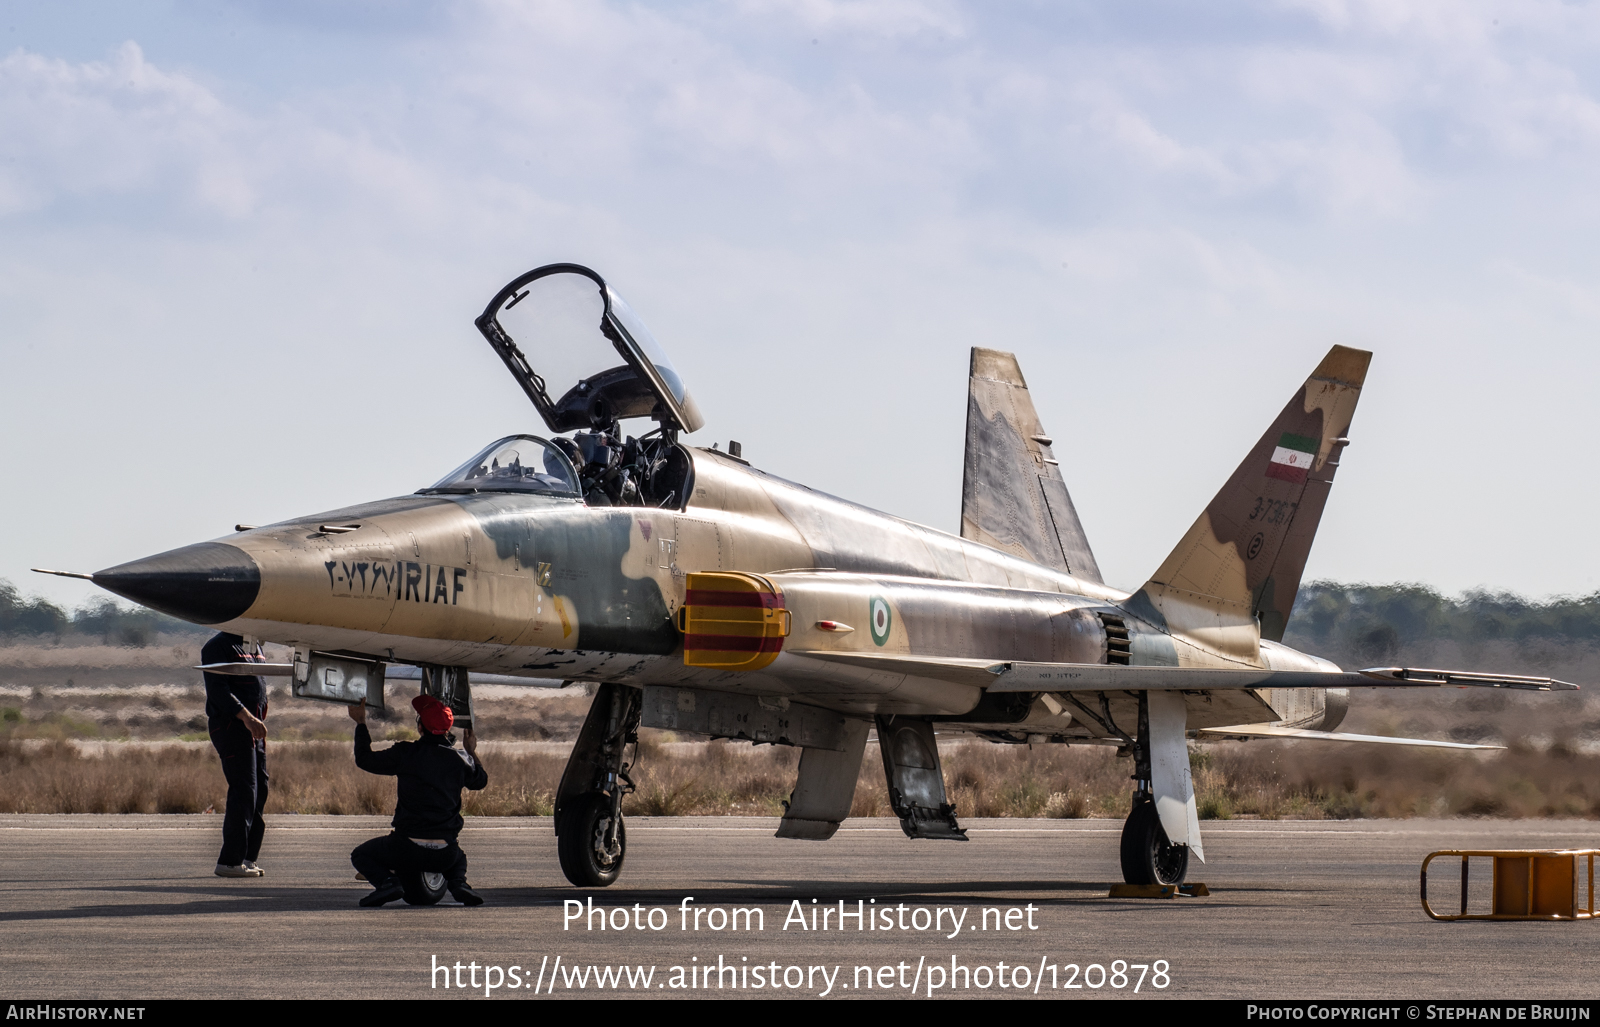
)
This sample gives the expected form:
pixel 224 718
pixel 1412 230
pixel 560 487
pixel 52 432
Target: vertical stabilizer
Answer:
pixel 1239 566
pixel 1012 494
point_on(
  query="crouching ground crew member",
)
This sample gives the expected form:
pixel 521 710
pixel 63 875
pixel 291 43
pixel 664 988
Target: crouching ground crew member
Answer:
pixel 427 812
pixel 236 710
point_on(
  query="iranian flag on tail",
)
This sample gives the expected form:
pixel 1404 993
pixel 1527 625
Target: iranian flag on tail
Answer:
pixel 1292 459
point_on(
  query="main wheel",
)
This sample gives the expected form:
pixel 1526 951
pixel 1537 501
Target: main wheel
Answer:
pixel 1147 856
pixel 422 887
pixel 586 858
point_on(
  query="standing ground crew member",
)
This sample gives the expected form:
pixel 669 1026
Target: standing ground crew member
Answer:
pixel 427 812
pixel 236 711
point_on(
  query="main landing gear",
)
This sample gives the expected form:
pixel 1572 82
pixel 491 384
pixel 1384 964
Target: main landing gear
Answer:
pixel 1147 856
pixel 591 839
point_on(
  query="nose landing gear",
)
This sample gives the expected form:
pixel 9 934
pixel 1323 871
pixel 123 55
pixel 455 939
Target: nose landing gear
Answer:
pixel 591 839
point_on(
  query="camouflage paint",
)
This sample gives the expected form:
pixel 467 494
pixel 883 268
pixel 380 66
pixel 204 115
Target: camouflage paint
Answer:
pixel 1232 579
pixel 556 588
pixel 1013 497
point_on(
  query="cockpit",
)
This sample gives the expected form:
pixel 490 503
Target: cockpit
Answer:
pixel 563 324
pixel 601 468
pixel 520 463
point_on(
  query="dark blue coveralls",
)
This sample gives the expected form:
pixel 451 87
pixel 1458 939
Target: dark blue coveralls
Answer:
pixel 432 773
pixel 244 760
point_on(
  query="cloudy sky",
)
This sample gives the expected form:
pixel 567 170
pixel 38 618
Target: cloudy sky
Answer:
pixel 242 244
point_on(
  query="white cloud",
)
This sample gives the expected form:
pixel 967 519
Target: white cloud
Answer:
pixel 112 127
pixel 887 18
pixel 1503 79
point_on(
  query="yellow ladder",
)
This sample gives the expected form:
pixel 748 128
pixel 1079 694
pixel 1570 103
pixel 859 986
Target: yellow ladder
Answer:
pixel 1526 884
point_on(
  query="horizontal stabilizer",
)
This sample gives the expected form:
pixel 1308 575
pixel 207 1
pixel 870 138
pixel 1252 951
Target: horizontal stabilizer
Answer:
pixel 1274 731
pixel 1100 677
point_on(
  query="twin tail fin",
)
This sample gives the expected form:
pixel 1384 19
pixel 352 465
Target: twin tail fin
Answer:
pixel 1013 497
pixel 1232 580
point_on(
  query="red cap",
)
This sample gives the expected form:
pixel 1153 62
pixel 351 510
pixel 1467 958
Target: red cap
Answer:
pixel 435 716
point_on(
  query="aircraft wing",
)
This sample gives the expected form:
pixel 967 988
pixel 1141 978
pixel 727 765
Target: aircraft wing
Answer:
pixel 1097 677
pixel 1243 731
pixel 1100 677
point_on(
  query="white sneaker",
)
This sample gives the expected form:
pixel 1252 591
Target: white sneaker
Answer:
pixel 223 870
pixel 252 865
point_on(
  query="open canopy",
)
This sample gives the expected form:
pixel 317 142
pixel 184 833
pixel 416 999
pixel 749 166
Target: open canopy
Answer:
pixel 560 330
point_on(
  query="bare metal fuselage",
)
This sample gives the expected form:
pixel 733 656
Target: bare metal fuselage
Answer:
pixel 551 588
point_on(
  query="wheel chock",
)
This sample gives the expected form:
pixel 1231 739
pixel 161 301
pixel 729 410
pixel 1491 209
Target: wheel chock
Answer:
pixel 1157 891
pixel 1525 884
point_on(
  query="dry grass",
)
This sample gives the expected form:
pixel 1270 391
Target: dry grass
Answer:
pixel 710 778
pixel 54 778
pixel 1342 781
pixel 51 696
pixel 306 777
pixel 1232 780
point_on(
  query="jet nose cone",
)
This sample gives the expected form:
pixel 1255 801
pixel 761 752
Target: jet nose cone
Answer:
pixel 207 583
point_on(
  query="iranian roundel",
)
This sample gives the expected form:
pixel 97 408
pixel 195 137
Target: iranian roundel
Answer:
pixel 880 619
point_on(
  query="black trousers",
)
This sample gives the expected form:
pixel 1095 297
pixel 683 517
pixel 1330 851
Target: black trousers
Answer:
pixel 242 823
pixel 381 859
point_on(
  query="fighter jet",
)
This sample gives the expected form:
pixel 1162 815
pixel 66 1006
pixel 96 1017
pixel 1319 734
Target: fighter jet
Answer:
pixel 701 594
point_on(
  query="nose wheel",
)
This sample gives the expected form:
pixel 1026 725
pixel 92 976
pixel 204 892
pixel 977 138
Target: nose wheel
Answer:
pixel 591 851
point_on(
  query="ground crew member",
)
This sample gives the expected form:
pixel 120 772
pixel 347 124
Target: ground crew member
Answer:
pixel 236 711
pixel 427 812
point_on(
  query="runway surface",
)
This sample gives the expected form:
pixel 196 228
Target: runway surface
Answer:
pixel 126 907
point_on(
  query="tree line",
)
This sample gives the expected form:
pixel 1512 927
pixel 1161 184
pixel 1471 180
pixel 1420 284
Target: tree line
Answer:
pixel 1377 620
pixel 37 618
pixel 1366 617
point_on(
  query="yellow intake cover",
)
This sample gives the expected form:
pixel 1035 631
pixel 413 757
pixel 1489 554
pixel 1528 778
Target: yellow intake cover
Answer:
pixel 732 621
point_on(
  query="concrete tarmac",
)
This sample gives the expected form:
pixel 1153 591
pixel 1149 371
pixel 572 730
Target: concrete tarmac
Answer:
pixel 126 907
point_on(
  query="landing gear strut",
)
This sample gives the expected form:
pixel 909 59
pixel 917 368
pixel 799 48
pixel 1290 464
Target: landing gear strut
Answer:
pixel 1147 856
pixel 590 837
